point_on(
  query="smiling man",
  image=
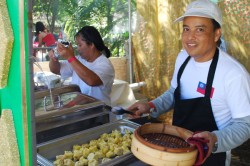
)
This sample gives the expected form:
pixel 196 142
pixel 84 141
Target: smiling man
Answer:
pixel 210 90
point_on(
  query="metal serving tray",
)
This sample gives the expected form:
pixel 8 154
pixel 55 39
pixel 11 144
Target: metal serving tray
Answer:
pixel 76 112
pixel 63 104
pixel 57 90
pixel 47 152
pixel 68 124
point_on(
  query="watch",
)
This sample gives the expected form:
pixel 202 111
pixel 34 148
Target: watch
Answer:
pixel 215 147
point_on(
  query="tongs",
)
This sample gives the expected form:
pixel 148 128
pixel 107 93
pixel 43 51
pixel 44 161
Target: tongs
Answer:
pixel 119 110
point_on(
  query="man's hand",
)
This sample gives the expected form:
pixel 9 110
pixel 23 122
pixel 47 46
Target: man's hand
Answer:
pixel 139 108
pixel 212 139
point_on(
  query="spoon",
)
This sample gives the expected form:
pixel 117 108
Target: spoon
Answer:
pixel 119 110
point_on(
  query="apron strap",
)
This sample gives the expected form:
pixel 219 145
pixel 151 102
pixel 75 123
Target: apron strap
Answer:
pixel 211 73
pixel 182 69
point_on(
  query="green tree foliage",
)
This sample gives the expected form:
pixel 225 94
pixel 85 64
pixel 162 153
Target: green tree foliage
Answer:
pixel 110 17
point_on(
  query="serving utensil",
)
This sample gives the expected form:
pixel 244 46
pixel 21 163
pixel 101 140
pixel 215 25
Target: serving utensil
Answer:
pixel 119 110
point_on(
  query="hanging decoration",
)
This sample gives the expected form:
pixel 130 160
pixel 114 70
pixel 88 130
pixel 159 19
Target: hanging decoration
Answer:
pixel 9 154
pixel 6 36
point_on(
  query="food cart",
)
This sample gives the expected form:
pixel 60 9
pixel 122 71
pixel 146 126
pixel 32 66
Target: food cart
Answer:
pixel 66 118
pixel 45 122
pixel 23 131
pixel 36 121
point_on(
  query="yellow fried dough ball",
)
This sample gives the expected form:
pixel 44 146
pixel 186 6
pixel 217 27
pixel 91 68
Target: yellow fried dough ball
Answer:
pixel 93 148
pixel 92 156
pixel 68 162
pixel 93 142
pixel 85 152
pixel 104 148
pixel 99 154
pixel 79 163
pixel 84 161
pixel 58 162
pixel 77 154
pixel 110 154
pixel 104 136
pixel 93 162
pixel 77 147
pixel 68 154
pixel 60 157
pixel 85 146
pixel 105 160
pixel 118 151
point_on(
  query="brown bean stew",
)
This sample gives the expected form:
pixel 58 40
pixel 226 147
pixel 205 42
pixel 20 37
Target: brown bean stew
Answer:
pixel 165 140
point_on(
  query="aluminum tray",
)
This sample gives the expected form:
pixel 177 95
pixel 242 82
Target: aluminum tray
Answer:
pixel 73 101
pixel 77 112
pixel 47 152
pixel 57 90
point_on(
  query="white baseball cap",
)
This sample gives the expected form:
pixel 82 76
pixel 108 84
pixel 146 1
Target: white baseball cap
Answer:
pixel 202 8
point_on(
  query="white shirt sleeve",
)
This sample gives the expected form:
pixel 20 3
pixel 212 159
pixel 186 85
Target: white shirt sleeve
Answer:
pixel 66 69
pixel 235 134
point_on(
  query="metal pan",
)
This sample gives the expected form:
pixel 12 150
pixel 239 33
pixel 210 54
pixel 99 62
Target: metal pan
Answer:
pixel 48 151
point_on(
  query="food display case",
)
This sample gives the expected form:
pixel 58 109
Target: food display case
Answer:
pixel 65 117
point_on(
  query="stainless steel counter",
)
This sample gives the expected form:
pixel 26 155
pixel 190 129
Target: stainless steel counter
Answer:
pixel 68 117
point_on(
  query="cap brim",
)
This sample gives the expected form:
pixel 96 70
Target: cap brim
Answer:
pixel 195 14
pixel 179 19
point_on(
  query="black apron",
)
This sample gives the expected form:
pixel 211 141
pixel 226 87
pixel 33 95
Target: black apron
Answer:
pixel 196 114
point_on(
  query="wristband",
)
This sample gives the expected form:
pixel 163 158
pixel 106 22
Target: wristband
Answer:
pixel 152 107
pixel 71 59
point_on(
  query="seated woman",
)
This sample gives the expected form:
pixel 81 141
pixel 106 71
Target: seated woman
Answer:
pixel 91 70
pixel 44 37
